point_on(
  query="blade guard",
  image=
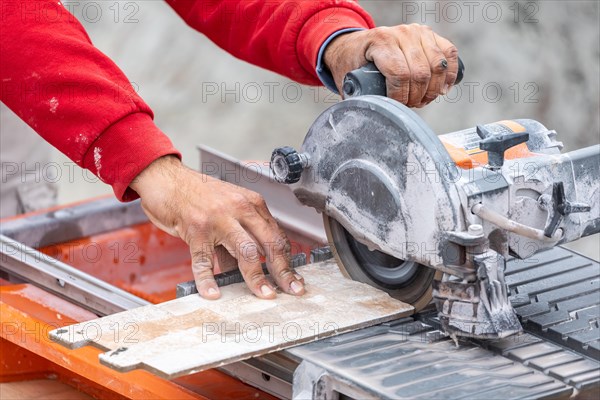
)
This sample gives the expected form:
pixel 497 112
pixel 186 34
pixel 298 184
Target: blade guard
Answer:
pixel 397 194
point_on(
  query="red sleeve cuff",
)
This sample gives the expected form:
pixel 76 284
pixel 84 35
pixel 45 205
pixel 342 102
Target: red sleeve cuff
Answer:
pixel 323 24
pixel 124 150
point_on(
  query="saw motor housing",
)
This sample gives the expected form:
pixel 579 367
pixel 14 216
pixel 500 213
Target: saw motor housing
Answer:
pixel 449 210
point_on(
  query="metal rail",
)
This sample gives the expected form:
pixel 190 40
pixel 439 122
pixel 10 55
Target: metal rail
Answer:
pixel 73 222
pixel 95 295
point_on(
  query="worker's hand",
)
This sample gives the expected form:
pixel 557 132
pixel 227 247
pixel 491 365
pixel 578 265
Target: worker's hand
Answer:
pixel 418 64
pixel 207 214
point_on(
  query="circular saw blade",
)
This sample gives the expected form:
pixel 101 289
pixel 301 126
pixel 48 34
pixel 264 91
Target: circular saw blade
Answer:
pixel 406 281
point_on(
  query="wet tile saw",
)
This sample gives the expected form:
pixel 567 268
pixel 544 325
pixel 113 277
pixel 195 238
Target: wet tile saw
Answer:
pixel 424 216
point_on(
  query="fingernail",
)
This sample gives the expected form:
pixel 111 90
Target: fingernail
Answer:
pixel 296 287
pixel 445 89
pixel 299 277
pixel 266 291
pixel 212 291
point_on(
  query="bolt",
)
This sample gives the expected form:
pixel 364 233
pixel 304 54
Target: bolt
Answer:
pixel 304 159
pixel 349 88
pixel 544 202
pixel 559 233
pixel 475 230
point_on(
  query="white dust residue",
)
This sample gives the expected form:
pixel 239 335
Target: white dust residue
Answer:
pixel 97 160
pixel 81 138
pixel 53 105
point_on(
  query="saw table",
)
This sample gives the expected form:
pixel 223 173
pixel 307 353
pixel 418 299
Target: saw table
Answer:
pixel 100 257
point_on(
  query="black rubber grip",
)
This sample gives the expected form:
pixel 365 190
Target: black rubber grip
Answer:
pixel 368 80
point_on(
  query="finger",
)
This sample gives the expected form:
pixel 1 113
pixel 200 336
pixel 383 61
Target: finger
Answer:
pixel 241 245
pixel 299 277
pixel 277 248
pixel 423 104
pixel 260 206
pixel 391 62
pixel 437 64
pixel 451 54
pixel 420 73
pixel 202 267
pixel 275 245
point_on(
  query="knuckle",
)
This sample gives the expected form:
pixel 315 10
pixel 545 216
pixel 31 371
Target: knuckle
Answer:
pixel 254 277
pixel 395 82
pixel 451 53
pixel 404 28
pixel 203 276
pixel 199 225
pixel 421 74
pixel 380 32
pixel 284 274
pixel 399 75
pixel 413 27
pixel 401 78
pixel 402 74
pixel 238 199
pixel 383 47
pixel 197 256
pixel 281 244
pixel 201 261
pixel 375 37
pixel 249 251
pixel 451 77
pixel 234 238
pixel 245 207
pixel 258 200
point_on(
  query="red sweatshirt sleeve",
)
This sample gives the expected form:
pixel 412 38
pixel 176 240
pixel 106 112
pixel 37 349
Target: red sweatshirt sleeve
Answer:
pixel 283 36
pixel 73 95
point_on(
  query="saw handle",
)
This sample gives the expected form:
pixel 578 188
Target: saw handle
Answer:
pixel 368 80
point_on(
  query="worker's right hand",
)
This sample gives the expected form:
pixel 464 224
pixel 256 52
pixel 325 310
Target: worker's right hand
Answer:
pixel 417 63
pixel 207 213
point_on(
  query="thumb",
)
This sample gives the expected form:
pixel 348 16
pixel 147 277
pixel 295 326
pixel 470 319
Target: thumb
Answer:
pixel 202 268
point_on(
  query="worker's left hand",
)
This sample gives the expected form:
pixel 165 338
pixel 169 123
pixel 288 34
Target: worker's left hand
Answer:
pixel 215 218
pixel 417 63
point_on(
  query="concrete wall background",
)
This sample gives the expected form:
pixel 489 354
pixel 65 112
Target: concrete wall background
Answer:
pixel 525 59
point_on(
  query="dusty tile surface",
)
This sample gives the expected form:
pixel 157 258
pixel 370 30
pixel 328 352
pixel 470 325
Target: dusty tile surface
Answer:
pixel 191 334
